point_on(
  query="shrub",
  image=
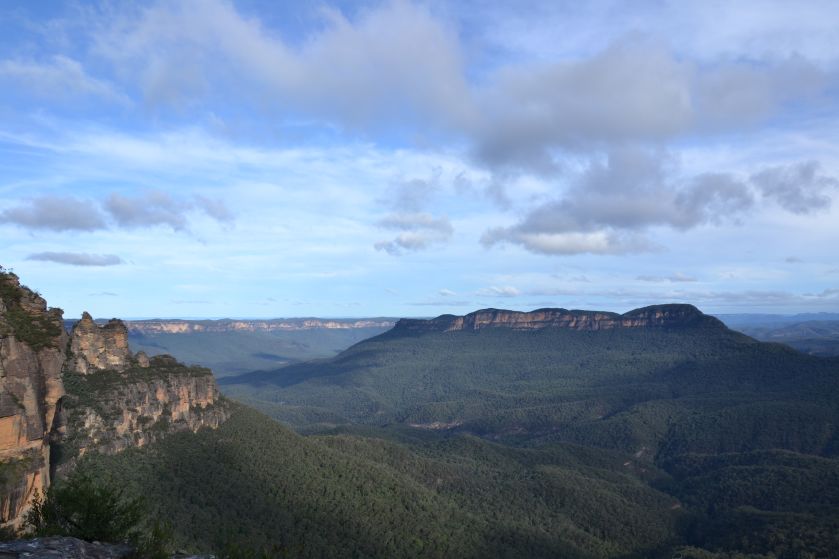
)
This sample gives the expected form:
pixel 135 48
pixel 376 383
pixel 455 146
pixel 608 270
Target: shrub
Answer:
pixel 80 507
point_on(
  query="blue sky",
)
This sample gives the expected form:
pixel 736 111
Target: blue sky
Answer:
pixel 208 158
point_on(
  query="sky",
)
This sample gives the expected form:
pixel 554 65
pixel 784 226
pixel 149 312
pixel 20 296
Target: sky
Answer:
pixel 216 158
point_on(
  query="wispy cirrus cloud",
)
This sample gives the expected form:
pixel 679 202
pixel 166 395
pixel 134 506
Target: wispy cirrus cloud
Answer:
pixel 58 78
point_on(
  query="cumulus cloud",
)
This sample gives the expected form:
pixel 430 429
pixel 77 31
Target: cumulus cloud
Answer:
pixel 412 195
pixel 159 208
pixel 799 188
pixel 392 62
pixel 55 213
pixel 77 258
pixel 399 66
pixel 64 213
pixel 610 205
pixel 59 78
pixel 153 208
pixel 633 91
pixel 419 231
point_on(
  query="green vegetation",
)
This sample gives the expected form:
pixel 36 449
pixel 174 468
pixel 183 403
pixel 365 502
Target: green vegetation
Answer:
pixel 669 390
pixel 83 508
pixel 255 484
pixel 744 435
pixel 38 331
pixel 105 391
pixel 13 470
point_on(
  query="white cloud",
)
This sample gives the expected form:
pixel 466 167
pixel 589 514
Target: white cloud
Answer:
pixel 55 213
pixel 612 203
pixel 395 61
pixel 798 188
pixel 77 258
pixel 420 231
pixel 498 291
pixel 57 79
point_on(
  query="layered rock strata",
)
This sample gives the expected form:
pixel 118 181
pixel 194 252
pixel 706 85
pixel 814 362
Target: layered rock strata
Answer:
pixel 648 317
pixel 110 411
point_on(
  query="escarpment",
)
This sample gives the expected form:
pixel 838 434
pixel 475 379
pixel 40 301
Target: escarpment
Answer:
pixel 32 342
pixel 108 411
pixel 64 395
pixel 656 316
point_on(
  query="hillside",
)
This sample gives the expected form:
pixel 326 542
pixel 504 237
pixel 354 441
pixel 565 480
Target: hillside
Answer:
pixel 743 433
pixel 261 486
pixel 669 387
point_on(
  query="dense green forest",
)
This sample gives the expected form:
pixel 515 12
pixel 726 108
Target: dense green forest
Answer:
pixel 389 492
pixel 665 390
pixel 253 481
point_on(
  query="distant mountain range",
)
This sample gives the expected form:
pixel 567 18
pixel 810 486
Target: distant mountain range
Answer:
pixel 812 333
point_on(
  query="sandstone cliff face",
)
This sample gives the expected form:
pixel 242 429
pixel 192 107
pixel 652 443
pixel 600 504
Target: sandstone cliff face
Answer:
pixel 94 347
pixel 110 411
pixel 647 317
pixel 62 396
pixel 32 342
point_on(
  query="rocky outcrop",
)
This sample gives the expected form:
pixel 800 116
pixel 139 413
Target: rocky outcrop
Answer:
pixel 64 548
pixel 110 411
pixel 32 342
pixel 72 548
pixel 95 348
pixel 63 396
pixel 658 316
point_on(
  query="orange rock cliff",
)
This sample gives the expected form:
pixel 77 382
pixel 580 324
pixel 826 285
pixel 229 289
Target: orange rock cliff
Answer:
pixel 42 370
